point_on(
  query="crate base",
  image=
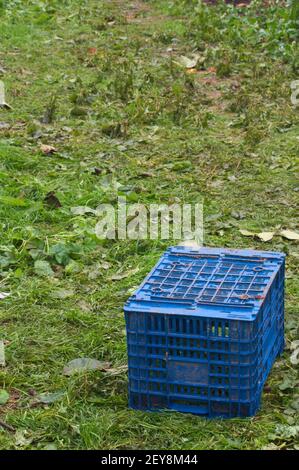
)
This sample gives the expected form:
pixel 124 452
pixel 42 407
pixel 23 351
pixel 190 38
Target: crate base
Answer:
pixel 154 402
pixel 212 410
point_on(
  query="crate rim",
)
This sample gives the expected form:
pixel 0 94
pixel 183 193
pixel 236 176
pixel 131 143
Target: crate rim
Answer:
pixel 199 310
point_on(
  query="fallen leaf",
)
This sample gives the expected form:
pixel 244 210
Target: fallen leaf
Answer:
pixel 246 233
pixel 84 306
pixel 238 215
pixel 288 383
pixel 232 178
pixel 81 210
pixel 104 265
pixel 188 63
pixel 265 236
pixel 52 200
pixel 21 439
pixel 73 267
pixel 62 293
pixel 294 345
pixel 4 397
pixel 289 234
pixel 284 431
pixel 43 268
pixel 48 149
pixel 92 50
pixel 4 105
pixel 84 364
pixel 192 71
pixel 109 183
pixel 94 272
pixel 271 446
pixel 50 446
pixel 97 171
pixel 2 354
pixel 26 72
pixel 295 357
pixel 48 398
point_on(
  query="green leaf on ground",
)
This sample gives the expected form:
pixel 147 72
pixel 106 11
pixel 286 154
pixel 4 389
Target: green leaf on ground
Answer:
pixel 4 397
pixel 43 268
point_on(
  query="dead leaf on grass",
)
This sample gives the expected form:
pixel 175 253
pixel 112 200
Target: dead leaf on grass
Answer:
pixel 2 354
pixel 84 364
pixel 84 306
pixel 97 171
pixel 294 345
pixel 191 71
pixel 48 398
pixel 82 210
pixel 265 236
pixel 48 149
pixel 52 200
pixel 189 63
pixel 22 438
pixel 289 234
pixel 295 358
pixel 247 233
pixel 62 293
pixel 295 354
pixel 3 103
pixel 92 50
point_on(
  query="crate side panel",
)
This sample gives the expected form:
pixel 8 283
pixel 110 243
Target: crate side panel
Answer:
pixel 203 365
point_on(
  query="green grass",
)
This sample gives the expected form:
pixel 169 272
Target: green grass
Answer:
pixel 109 82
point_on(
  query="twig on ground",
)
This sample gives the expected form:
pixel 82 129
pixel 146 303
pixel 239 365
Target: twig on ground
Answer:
pixel 6 426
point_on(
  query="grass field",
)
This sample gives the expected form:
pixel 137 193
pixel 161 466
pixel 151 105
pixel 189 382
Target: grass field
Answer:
pixel 102 82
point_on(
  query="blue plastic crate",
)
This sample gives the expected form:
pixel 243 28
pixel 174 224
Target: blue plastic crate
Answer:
pixel 204 329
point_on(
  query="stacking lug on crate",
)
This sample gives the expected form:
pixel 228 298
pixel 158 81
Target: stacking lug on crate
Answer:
pixel 204 329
